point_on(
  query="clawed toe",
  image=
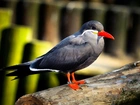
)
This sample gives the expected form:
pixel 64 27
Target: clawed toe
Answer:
pixel 79 82
pixel 73 86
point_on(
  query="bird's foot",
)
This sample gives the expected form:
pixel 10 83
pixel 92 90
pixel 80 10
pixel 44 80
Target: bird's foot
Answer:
pixel 78 82
pixel 73 86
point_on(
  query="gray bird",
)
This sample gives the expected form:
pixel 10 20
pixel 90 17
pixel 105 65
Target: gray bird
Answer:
pixel 73 53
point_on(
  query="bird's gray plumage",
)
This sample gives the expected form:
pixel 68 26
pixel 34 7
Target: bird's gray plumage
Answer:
pixel 95 25
pixel 73 53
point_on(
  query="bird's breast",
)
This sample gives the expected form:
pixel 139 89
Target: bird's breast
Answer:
pixel 99 46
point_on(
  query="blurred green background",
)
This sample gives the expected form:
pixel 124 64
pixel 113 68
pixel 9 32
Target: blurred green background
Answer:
pixel 30 28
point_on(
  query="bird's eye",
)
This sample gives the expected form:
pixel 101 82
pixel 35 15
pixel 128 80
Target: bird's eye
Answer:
pixel 93 28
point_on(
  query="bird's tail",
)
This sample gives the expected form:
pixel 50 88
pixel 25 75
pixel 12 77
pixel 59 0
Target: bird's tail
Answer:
pixel 19 71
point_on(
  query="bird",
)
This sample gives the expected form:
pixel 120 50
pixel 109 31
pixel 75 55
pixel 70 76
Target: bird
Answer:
pixel 73 53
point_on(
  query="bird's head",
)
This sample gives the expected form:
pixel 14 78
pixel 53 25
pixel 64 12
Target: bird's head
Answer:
pixel 96 28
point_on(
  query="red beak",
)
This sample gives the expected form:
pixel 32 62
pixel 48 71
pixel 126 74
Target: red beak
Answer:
pixel 105 34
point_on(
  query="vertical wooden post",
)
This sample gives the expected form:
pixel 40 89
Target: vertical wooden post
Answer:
pixel 27 14
pixel 11 5
pixel 48 80
pixel 71 18
pixel 117 24
pixel 12 43
pixel 49 16
pixel 133 44
pixel 94 11
pixel 5 19
pixel 32 50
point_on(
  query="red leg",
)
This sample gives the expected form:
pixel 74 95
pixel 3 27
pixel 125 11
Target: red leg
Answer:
pixel 77 82
pixel 72 85
pixel 68 76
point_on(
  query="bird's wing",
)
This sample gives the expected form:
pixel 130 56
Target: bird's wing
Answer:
pixel 68 55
